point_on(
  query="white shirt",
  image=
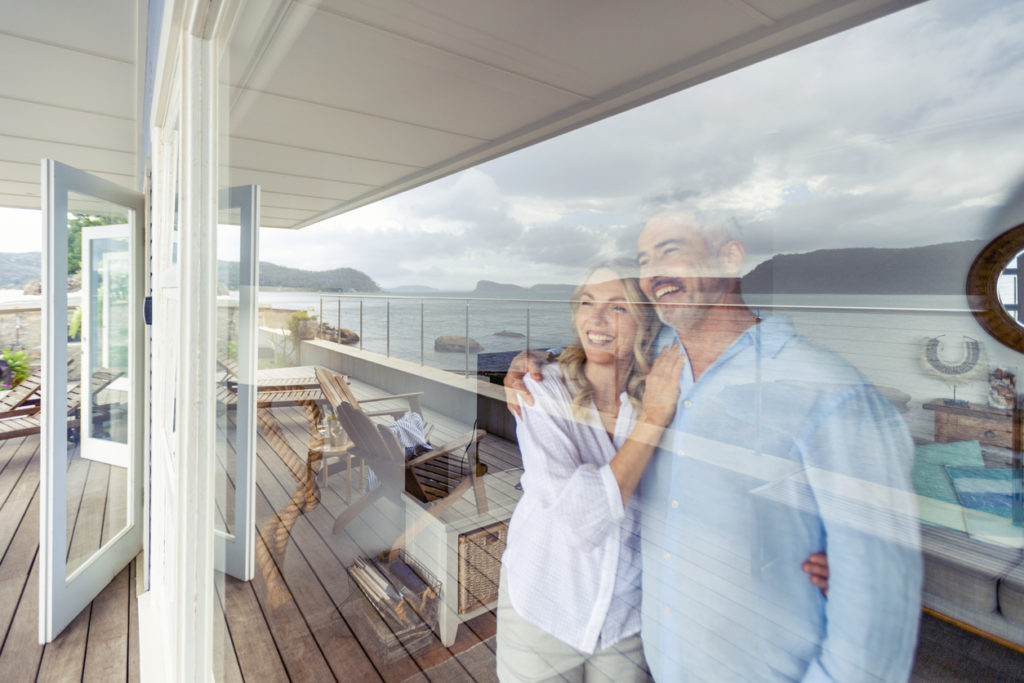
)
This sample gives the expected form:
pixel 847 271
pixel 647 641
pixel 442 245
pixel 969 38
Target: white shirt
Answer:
pixel 573 554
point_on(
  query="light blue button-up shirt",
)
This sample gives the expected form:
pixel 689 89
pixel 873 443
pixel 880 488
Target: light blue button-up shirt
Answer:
pixel 780 449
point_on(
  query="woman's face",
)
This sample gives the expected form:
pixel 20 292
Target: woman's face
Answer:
pixel 604 323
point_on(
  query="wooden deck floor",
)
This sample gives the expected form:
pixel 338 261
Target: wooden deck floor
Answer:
pixel 302 618
pixel 101 644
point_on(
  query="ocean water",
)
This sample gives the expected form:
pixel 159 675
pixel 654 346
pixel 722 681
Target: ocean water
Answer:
pixel 406 326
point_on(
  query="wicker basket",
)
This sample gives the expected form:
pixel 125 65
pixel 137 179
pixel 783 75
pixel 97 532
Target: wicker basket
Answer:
pixel 480 554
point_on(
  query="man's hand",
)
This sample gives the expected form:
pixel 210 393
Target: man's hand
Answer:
pixel 817 566
pixel 526 362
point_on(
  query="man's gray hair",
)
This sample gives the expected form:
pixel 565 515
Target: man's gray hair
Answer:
pixel 716 231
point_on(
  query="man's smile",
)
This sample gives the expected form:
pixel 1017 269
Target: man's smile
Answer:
pixel 663 287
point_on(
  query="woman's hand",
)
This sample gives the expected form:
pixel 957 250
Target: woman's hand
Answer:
pixel 528 362
pixel 661 392
pixel 817 566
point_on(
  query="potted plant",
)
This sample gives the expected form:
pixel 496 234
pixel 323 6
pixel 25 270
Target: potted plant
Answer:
pixel 18 362
pixel 302 325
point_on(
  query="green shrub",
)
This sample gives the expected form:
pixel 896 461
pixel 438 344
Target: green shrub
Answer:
pixel 19 363
pixel 293 325
pixel 75 326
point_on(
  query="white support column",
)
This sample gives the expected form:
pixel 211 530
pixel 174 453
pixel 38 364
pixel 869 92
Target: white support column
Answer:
pixel 197 338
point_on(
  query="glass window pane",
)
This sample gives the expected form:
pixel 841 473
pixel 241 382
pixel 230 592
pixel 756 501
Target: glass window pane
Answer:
pixel 99 376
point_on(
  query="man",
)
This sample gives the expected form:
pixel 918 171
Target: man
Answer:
pixel 778 449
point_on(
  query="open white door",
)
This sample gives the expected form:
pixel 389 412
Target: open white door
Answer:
pixel 92 432
pixel 106 283
pixel 234 520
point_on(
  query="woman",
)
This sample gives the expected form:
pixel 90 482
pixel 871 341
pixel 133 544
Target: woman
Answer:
pixel 569 600
pixel 569 604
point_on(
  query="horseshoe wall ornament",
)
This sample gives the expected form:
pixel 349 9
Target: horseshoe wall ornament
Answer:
pixel 961 371
pixel 969 360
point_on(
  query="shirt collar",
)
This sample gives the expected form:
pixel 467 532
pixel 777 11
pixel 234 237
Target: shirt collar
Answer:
pixel 771 334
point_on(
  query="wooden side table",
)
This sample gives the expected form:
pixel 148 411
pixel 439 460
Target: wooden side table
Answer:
pixel 461 549
pixel 972 422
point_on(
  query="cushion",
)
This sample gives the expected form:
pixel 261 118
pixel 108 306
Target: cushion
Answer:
pixel 988 500
pixel 963 571
pixel 1011 595
pixel 930 477
pixel 980 488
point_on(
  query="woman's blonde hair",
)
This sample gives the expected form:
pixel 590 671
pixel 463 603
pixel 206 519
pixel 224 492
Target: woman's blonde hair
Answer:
pixel 573 358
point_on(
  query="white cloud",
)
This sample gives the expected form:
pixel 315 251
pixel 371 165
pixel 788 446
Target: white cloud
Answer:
pixel 21 230
pixel 903 131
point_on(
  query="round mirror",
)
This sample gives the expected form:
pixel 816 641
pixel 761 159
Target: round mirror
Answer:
pixel 995 288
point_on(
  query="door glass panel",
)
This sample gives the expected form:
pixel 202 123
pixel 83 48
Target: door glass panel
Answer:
pixel 236 385
pixel 228 249
pixel 99 378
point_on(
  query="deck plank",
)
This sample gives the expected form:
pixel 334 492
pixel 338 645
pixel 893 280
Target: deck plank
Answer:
pixel 133 622
pixel 21 481
pixel 106 653
pixel 64 658
pixel 21 652
pixel 15 456
pixel 259 660
pixel 275 488
pixel 320 633
pixel 85 536
pixel 296 639
pixel 376 529
pixel 225 657
pixel 115 504
pixel 308 569
pixel 21 515
pixel 225 472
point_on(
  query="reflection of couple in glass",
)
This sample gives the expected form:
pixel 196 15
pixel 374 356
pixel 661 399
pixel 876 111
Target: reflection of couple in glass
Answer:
pixel 728 464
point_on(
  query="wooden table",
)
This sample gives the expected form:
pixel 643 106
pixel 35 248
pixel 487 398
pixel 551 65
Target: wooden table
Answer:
pixel 461 548
pixel 973 422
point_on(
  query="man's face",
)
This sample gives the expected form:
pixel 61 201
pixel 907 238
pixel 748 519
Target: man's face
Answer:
pixel 678 272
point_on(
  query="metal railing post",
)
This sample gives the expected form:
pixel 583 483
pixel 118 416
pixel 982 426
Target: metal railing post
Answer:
pixel 421 332
pixel 467 338
pixel 338 321
pixel 387 327
pixel 360 324
pixel 321 335
pixel 527 324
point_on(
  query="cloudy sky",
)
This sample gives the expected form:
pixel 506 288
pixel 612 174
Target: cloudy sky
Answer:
pixel 908 130
pixel 905 131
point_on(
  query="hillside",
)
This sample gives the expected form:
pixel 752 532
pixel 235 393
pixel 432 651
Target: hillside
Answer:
pixel 932 269
pixel 413 289
pixel 501 290
pixel 273 275
pixel 17 270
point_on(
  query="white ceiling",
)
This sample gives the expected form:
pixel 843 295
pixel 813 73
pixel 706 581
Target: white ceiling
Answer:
pixel 68 91
pixel 335 104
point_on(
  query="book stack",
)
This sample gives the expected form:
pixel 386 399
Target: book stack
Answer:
pixel 404 606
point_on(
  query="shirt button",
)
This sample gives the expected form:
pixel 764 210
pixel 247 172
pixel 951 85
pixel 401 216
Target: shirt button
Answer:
pixel 682 453
pixel 668 610
pixel 687 404
pixel 668 556
pixel 675 503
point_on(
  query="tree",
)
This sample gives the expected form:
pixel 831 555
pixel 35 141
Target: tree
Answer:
pixel 76 222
